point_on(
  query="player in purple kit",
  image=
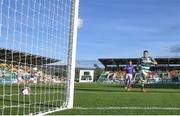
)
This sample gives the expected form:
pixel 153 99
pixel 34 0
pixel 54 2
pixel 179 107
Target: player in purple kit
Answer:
pixel 129 75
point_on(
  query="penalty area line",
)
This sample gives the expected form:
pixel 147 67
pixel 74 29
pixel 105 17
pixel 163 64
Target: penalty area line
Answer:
pixel 135 108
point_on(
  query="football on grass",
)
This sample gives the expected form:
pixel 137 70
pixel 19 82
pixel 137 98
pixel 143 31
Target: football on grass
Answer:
pixel 26 90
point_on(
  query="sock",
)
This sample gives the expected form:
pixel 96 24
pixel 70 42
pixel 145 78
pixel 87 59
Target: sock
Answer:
pixel 142 83
pixel 128 83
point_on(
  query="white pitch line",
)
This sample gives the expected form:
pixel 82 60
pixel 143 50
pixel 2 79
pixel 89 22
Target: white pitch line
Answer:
pixel 135 108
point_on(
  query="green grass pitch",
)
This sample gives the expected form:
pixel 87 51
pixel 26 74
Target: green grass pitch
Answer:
pixel 113 99
pixel 41 98
pixel 95 99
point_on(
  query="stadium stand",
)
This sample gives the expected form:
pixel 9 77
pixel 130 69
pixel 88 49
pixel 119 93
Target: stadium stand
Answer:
pixel 20 67
pixel 167 70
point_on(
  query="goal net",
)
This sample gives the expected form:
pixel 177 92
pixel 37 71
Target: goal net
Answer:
pixel 37 55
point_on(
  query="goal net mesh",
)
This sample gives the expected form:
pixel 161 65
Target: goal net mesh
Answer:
pixel 34 52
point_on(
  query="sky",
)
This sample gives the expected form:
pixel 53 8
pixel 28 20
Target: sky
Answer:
pixel 125 28
pixel 111 28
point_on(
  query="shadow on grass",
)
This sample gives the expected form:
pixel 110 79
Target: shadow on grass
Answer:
pixel 156 86
pixel 122 90
pixel 100 90
pixel 16 102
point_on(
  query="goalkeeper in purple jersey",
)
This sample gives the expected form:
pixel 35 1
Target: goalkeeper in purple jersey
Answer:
pixel 129 75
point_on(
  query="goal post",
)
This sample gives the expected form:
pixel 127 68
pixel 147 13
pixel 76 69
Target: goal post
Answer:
pixel 72 52
pixel 37 55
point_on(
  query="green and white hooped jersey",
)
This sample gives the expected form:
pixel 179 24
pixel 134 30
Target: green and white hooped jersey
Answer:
pixel 145 63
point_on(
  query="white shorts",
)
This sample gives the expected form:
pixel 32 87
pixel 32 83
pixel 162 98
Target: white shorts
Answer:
pixel 145 73
pixel 129 76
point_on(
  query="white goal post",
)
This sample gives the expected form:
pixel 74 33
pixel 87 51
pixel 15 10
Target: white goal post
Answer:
pixel 72 53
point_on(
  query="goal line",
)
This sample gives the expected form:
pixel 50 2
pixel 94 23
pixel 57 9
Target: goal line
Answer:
pixel 126 108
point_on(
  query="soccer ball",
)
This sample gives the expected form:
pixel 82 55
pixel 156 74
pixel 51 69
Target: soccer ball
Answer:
pixel 26 90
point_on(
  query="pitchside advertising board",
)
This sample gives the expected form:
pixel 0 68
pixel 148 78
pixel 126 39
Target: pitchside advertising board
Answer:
pixel 86 75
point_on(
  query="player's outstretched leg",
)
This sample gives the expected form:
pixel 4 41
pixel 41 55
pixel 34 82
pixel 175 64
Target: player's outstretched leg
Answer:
pixel 129 85
pixel 142 82
pixel 142 85
pixel 132 83
pixel 126 83
pixel 142 78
